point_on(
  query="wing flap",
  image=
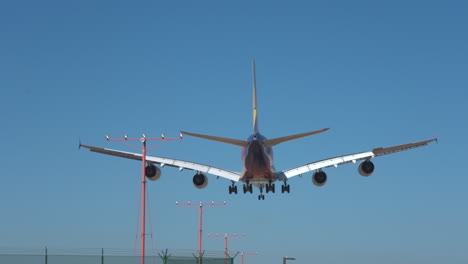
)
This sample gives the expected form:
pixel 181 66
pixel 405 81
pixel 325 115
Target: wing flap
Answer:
pixel 181 164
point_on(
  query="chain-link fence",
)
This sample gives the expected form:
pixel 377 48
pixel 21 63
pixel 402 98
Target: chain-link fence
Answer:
pixel 108 256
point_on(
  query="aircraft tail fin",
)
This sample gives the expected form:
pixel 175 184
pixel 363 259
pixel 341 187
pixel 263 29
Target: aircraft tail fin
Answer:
pixel 254 96
pixel 236 142
pixel 276 141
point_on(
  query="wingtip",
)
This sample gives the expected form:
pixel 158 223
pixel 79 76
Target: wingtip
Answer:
pixel 79 143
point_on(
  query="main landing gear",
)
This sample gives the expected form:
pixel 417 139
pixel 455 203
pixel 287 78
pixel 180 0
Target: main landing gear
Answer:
pixel 247 187
pixel 285 187
pixel 233 188
pixel 270 187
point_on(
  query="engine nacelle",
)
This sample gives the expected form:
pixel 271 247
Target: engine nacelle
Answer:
pixel 152 172
pixel 366 168
pixel 319 178
pixel 200 180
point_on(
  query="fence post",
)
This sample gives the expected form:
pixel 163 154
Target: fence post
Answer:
pixel 45 255
pixel 164 256
pixel 102 255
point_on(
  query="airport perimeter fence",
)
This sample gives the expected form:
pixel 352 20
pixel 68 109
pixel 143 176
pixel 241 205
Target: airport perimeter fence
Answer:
pixel 108 256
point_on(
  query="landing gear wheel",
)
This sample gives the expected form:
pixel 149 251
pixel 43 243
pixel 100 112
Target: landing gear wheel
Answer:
pixel 271 187
pixel 233 188
pixel 267 188
pixel 250 188
pixel 244 188
pixel 288 189
pixel 261 197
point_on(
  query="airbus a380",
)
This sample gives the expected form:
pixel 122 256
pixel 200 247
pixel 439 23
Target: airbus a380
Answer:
pixel 257 157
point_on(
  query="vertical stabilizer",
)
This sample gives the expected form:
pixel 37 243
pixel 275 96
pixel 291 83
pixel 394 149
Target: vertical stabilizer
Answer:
pixel 255 121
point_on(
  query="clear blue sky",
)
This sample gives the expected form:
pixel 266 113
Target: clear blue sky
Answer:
pixel 378 74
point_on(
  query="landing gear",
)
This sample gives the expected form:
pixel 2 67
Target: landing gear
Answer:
pixel 233 188
pixel 261 196
pixel 247 188
pixel 270 187
pixel 285 187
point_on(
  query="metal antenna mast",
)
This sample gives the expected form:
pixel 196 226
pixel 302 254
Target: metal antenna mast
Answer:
pixel 200 220
pixel 226 252
pixel 143 150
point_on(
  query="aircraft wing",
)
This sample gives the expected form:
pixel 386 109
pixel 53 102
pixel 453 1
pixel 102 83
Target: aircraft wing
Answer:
pixel 181 164
pixel 351 158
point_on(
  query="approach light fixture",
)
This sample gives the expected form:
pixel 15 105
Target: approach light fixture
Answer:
pixel 286 258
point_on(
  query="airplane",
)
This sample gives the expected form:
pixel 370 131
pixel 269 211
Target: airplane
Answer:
pixel 257 157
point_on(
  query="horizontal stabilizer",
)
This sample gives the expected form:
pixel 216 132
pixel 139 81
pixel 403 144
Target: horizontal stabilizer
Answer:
pixel 236 142
pixel 276 141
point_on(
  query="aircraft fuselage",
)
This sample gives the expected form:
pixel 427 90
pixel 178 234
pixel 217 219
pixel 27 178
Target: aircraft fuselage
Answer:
pixel 258 161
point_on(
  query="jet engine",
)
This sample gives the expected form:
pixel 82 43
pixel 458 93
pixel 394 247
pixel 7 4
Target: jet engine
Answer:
pixel 319 178
pixel 200 180
pixel 152 172
pixel 366 168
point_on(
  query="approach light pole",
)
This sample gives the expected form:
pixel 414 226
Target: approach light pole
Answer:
pixel 200 220
pixel 286 258
pixel 143 150
pixel 245 253
pixel 226 252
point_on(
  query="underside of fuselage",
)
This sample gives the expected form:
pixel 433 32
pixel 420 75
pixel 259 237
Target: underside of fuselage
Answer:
pixel 258 164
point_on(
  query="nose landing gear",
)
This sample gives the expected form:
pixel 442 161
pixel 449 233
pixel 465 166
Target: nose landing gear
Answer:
pixel 261 196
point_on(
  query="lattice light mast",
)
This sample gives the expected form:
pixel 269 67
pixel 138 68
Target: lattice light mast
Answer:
pixel 143 150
